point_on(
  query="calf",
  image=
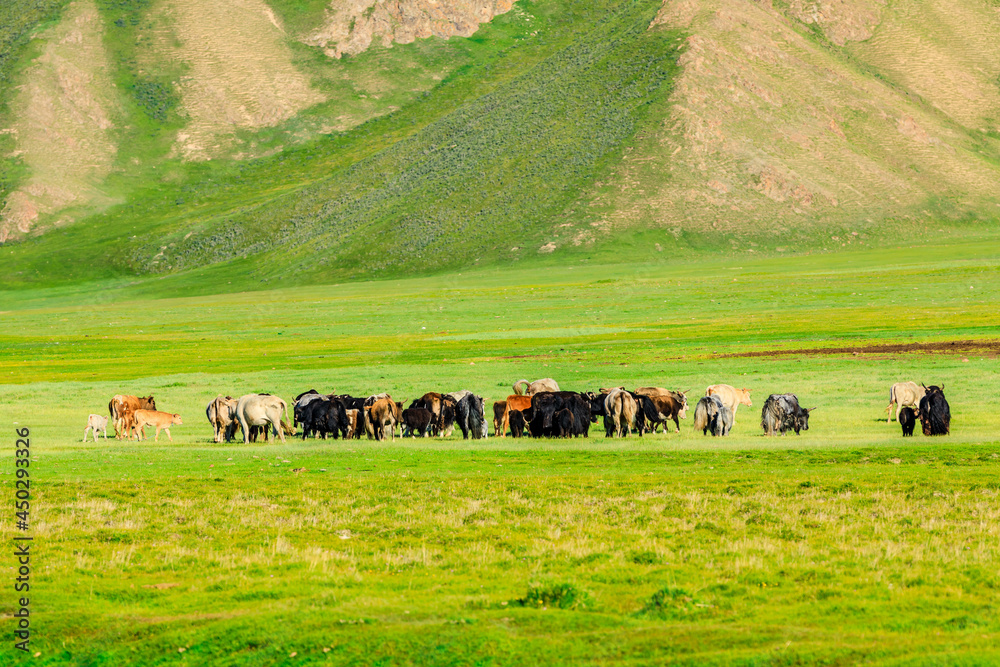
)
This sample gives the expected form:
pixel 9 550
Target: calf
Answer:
pixel 564 423
pixel 416 421
pixel 97 423
pixel 908 420
pixel 122 408
pixel 516 420
pixel 935 414
pixel 161 420
pixel 499 416
pixel 353 416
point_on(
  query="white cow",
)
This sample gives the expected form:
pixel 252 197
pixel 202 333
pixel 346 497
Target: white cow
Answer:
pixel 904 394
pixel 532 388
pixel 98 423
pixel 261 410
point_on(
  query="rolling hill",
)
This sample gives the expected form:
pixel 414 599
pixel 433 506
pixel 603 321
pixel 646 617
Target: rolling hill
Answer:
pixel 234 145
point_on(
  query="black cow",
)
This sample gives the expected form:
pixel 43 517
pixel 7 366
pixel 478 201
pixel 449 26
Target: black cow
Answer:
pixel 544 406
pixel 354 403
pixel 324 416
pixel 515 418
pixel 935 415
pixel 712 415
pixel 908 420
pixel 781 412
pixel 564 422
pixel 416 421
pixel 301 401
pixel 470 416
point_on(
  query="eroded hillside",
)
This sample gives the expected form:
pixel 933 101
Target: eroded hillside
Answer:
pixel 774 129
pixel 352 25
pixel 64 112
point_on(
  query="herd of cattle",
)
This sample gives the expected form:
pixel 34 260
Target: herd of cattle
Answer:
pixel 536 409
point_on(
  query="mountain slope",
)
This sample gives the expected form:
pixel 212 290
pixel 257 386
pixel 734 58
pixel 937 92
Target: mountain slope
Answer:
pixel 775 131
pixel 558 131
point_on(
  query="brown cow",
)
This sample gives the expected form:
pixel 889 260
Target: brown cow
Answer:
pixel 384 412
pixel 352 420
pixel 122 406
pixel 161 420
pixel 442 419
pixel 730 396
pixel 515 402
pixel 499 417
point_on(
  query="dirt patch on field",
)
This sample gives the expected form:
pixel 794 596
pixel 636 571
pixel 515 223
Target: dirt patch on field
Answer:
pixel 352 25
pixel 63 123
pixel 239 70
pixel 989 348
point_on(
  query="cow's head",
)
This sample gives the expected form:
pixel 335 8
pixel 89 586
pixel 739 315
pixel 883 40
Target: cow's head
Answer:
pixel 681 397
pixel 745 397
pixel 175 419
pixel 802 420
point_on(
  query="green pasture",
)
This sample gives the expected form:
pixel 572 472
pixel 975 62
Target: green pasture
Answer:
pixel 842 545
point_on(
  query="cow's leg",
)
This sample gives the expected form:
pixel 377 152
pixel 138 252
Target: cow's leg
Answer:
pixel 156 438
pixel 899 408
pixel 85 434
pixel 168 434
pixel 280 432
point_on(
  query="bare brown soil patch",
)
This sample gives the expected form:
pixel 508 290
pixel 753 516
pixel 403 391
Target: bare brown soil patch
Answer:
pixel 63 118
pixel 240 72
pixel 352 25
pixel 987 347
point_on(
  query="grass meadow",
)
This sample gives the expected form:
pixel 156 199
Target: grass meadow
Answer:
pixel 844 545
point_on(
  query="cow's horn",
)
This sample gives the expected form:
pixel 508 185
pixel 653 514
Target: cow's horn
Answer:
pixel 811 409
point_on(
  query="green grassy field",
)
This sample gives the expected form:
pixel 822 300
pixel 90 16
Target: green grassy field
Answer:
pixel 845 544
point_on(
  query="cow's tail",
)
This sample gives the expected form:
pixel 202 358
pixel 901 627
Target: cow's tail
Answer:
pixel 517 387
pixel 700 416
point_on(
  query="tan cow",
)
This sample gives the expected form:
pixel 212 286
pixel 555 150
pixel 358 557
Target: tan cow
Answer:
pixel 261 410
pixel 620 410
pixel 904 394
pixel 545 384
pixel 384 413
pixel 730 396
pixel 161 420
pixel 221 413
pixel 121 408
pixel 97 423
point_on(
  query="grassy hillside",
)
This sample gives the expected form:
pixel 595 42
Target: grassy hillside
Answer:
pixel 558 132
